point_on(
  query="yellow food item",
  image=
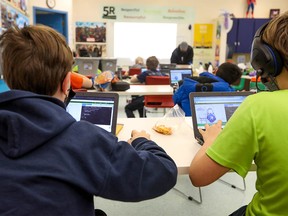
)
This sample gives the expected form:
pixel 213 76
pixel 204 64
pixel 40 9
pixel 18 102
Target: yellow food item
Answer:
pixel 163 129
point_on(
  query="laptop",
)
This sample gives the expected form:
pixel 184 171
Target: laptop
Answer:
pixel 209 107
pixel 108 64
pixel 87 66
pixel 99 108
pixel 178 74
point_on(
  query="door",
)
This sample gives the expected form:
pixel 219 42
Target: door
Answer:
pixel 55 19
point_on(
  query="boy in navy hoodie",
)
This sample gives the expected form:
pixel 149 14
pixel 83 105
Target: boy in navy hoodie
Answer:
pixel 51 164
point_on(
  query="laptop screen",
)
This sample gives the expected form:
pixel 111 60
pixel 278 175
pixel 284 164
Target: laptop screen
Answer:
pixel 98 108
pixel 209 107
pixel 179 74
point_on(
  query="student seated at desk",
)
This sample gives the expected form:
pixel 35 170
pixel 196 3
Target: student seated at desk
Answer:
pixel 137 102
pixel 52 164
pixel 257 131
pixel 139 63
pixel 226 75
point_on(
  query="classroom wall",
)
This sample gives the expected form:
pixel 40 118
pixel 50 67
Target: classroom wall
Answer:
pixel 63 6
pixel 91 10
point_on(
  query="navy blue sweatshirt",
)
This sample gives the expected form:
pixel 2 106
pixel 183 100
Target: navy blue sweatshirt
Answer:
pixel 52 165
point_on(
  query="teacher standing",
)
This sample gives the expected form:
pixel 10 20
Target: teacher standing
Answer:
pixel 183 54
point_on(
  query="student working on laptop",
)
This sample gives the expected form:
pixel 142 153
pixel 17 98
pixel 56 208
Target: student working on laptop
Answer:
pixel 256 131
pixel 226 75
pixel 52 164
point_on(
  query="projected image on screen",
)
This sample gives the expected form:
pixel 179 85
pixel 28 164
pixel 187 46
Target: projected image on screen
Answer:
pixel 97 115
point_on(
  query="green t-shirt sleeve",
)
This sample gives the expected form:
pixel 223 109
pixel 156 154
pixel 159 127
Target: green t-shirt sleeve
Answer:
pixel 236 145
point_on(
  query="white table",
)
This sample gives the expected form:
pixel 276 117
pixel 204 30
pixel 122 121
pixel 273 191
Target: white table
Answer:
pixel 181 145
pixel 145 90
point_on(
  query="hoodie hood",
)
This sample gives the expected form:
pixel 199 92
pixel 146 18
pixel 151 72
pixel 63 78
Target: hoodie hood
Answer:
pixel 28 120
pixel 212 76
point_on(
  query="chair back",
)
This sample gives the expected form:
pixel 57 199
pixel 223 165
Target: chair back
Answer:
pixel 133 71
pixel 158 101
pixel 157 80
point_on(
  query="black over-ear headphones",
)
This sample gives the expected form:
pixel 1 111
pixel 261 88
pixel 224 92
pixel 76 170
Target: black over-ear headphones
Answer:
pixel 264 59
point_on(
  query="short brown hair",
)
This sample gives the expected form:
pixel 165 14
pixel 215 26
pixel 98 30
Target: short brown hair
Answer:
pixel 276 35
pixel 152 63
pixel 229 72
pixel 34 58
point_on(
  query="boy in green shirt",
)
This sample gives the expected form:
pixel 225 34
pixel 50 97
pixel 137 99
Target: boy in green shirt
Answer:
pixel 256 131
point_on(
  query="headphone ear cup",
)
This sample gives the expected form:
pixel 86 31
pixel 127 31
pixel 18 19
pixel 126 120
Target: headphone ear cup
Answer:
pixel 264 57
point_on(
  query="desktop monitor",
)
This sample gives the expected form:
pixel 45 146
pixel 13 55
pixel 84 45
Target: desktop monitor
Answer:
pixel 178 74
pixel 87 66
pixel 108 64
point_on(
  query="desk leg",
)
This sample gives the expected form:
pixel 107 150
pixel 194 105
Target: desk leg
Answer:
pixel 190 197
pixel 233 186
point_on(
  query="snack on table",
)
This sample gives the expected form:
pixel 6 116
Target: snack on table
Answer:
pixel 163 129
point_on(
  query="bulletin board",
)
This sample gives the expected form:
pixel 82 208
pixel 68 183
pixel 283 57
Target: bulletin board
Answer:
pixel 92 37
pixel 13 12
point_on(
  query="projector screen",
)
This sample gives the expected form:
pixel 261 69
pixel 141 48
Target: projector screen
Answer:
pixel 144 39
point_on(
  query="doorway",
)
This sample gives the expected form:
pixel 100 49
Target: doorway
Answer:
pixel 57 20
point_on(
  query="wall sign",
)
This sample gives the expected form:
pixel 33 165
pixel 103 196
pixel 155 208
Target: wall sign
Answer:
pixel 137 13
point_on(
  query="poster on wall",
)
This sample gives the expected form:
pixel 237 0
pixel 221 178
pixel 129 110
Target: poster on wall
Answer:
pixel 203 35
pixel 143 13
pixel 93 50
pixel 10 16
pixel 90 32
pixel 19 4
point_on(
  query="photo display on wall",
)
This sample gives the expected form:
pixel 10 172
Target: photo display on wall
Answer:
pixel 91 50
pixel 90 39
pixel 12 14
pixel 90 32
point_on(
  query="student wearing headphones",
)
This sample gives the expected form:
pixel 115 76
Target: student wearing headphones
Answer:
pixel 251 133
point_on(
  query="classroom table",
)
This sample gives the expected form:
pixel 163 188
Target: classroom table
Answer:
pixel 145 90
pixel 181 145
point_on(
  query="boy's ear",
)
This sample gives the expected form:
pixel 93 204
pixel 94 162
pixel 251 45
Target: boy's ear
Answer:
pixel 66 85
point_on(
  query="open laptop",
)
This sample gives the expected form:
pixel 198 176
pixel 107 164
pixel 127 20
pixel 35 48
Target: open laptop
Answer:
pixel 87 66
pixel 209 107
pixel 108 64
pixel 178 74
pixel 99 108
